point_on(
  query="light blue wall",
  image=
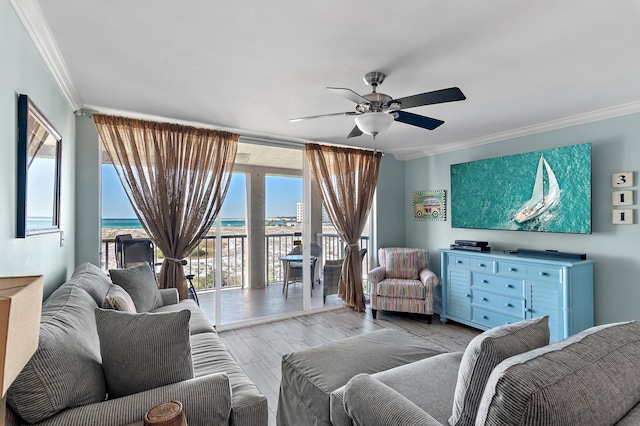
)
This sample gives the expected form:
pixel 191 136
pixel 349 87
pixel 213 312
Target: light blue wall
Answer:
pixel 615 148
pixel 24 72
pixel 88 187
pixel 390 217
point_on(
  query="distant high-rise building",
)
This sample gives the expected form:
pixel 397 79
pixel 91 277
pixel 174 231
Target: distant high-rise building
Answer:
pixel 299 212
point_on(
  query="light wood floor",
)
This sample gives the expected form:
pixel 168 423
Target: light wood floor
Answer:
pixel 259 349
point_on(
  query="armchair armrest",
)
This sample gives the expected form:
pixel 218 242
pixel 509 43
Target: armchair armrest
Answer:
pixel 429 278
pixel 377 274
pixel 372 403
pixel 169 296
pixel 206 401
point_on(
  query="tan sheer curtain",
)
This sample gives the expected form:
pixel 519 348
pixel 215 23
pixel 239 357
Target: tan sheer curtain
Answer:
pixel 176 178
pixel 347 180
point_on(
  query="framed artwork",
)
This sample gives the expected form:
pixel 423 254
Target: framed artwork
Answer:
pixel 541 191
pixel 429 205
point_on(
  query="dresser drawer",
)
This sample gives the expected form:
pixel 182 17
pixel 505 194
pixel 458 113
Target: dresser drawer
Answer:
pixel 545 273
pixel 509 269
pixel 513 306
pixel 459 261
pixel 502 285
pixel 490 318
pixel 483 265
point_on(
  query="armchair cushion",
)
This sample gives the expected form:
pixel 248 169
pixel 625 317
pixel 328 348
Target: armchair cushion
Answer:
pixel 483 354
pixel 143 351
pixel 404 263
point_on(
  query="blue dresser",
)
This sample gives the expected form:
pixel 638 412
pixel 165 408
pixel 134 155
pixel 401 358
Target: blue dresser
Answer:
pixel 487 289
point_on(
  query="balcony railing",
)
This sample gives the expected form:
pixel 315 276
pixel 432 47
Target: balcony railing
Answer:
pixel 201 262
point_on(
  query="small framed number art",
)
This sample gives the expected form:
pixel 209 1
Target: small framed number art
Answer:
pixel 429 205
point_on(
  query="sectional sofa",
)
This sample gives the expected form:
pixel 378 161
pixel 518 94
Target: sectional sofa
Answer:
pixel 97 366
pixel 507 376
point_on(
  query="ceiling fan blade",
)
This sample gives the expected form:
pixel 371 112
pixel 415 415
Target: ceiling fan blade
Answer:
pixel 355 132
pixel 436 97
pixel 322 115
pixel 418 120
pixel 349 94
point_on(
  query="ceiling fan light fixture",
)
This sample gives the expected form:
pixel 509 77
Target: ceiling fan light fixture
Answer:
pixel 373 123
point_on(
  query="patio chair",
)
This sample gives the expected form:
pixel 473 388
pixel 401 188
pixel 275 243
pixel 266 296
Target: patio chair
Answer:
pixel 135 251
pixel 331 273
pixel 295 268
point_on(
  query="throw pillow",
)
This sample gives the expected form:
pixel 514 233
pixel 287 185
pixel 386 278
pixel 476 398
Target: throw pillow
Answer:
pixel 143 351
pixel 140 283
pixel 117 298
pixel 483 354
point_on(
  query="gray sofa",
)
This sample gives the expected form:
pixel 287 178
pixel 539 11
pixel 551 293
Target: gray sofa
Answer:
pixel 591 378
pixel 64 382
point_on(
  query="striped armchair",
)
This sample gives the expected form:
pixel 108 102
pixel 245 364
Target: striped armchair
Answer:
pixel 403 282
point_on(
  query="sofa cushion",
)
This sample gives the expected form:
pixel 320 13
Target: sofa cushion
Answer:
pixel 483 354
pixel 141 285
pixel 66 370
pixel 404 263
pixel 143 351
pixel 119 300
pixel 590 378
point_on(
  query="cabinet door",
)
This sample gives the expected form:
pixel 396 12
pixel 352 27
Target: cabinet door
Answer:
pixel 459 293
pixel 545 298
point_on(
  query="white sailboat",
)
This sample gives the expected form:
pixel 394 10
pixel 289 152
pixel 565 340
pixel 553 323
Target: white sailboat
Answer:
pixel 540 201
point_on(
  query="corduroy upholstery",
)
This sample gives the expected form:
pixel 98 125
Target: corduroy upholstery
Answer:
pixel 591 378
pixel 63 383
pixel 403 282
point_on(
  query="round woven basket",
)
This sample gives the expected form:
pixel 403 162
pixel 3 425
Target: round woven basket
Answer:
pixel 166 414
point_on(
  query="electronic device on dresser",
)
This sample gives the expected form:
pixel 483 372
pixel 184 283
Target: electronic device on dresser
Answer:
pixel 471 245
pixel 484 290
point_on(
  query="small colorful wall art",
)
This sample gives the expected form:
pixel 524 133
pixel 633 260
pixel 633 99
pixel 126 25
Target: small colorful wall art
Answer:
pixel 429 205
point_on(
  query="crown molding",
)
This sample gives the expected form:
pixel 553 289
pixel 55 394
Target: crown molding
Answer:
pixel 601 114
pixel 30 15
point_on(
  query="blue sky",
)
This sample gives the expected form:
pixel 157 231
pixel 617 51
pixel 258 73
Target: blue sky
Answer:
pixel 282 195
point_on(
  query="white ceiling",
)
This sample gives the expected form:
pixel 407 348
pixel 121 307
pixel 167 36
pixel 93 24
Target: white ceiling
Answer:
pixel 249 65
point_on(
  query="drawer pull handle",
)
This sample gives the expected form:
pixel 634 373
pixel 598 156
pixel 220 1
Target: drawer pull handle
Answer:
pixel 484 299
pixel 543 274
pixel 509 286
pixel 481 265
pixel 485 282
pixel 508 305
pixel 458 261
pixel 485 317
pixel 513 270
pixel 468 295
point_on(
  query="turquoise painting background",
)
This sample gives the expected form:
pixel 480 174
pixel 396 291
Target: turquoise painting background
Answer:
pixel 486 194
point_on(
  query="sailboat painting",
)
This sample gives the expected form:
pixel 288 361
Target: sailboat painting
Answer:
pixel 540 200
pixel 543 191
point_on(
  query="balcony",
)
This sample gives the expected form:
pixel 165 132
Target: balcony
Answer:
pixel 241 301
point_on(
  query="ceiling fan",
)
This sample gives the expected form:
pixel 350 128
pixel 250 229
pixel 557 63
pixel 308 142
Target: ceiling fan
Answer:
pixel 375 111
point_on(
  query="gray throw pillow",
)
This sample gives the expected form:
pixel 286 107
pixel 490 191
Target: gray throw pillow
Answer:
pixel 483 354
pixel 143 351
pixel 140 283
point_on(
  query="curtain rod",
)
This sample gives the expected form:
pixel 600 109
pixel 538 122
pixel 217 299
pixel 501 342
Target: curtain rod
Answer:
pixel 271 140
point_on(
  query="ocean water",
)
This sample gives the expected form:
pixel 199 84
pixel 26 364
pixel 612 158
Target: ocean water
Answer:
pixel 486 194
pixel 134 223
